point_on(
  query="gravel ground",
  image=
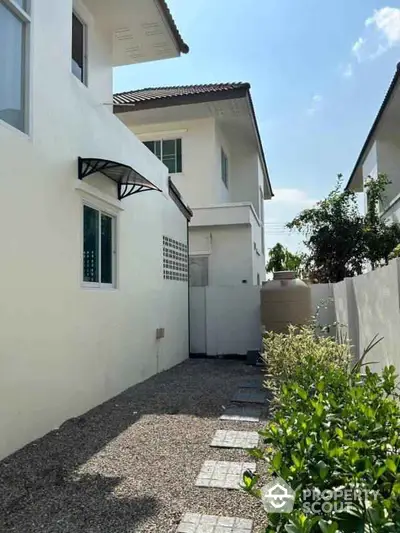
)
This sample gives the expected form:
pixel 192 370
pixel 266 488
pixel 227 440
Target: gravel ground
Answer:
pixel 130 464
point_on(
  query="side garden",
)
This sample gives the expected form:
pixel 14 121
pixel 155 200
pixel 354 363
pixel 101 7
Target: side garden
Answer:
pixel 333 438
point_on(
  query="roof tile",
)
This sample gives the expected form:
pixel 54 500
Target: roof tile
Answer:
pixel 158 93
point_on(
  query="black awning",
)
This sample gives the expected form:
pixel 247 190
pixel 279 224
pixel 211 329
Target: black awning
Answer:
pixel 129 181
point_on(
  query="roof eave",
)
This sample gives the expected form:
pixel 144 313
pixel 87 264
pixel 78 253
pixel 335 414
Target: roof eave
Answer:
pixel 182 47
pixel 184 99
pixel 353 184
pixel 267 182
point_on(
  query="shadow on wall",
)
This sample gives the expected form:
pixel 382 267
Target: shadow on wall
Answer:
pixel 43 487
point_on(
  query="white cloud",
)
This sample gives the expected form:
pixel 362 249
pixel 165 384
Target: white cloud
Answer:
pixel 382 32
pixel 347 70
pixel 358 48
pixel 387 21
pixel 315 104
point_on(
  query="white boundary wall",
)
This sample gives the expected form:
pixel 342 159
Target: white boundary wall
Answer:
pixel 365 306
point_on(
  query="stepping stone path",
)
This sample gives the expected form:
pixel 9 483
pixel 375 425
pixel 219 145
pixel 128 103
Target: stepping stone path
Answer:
pixel 198 523
pixel 249 396
pixel 235 439
pixel 242 413
pixel 223 474
pixel 227 474
pixel 255 383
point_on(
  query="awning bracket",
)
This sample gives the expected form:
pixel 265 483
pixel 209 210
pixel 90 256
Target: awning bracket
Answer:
pixel 128 180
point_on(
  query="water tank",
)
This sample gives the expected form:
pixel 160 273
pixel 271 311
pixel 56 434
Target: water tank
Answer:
pixel 285 300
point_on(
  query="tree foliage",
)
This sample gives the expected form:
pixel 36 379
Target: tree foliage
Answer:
pixel 340 241
pixel 281 259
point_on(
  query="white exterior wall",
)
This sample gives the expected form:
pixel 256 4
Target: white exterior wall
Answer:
pixel 222 192
pixel 244 178
pixel 384 158
pixel 370 166
pixel 230 253
pixel 200 181
pixel 258 253
pixel 65 349
pixel 201 186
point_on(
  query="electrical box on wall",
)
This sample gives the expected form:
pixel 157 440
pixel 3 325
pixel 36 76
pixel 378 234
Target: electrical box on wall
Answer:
pixel 160 333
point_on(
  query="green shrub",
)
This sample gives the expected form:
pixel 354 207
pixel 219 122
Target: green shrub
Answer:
pixel 333 430
pixel 301 356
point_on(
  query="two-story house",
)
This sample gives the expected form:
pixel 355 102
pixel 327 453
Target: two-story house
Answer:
pixel 380 153
pixel 208 138
pixel 94 273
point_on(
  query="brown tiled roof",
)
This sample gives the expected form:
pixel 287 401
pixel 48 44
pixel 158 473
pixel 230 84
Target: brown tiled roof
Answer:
pixel 155 97
pixel 183 47
pixel 163 93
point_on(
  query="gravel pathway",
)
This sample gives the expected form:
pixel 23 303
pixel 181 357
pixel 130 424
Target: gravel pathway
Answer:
pixel 130 465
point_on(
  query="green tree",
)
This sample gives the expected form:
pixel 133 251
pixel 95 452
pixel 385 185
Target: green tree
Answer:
pixel 281 259
pixel 340 241
pixel 333 231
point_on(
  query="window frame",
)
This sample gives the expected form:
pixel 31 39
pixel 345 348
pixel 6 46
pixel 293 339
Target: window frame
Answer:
pixel 162 141
pixel 85 63
pixel 23 14
pixel 224 168
pixel 114 218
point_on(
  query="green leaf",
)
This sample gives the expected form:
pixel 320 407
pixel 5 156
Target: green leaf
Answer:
pixel 328 527
pixel 323 470
pixel 391 465
pixel 296 460
pixel 339 433
pixel 277 461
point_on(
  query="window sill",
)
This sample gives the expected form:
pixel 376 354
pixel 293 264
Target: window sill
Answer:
pixel 92 192
pixel 96 287
pixel 16 131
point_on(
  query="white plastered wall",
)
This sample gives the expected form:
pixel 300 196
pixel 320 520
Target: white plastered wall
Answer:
pixel 65 349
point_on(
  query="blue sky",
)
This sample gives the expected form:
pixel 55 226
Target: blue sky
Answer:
pixel 319 71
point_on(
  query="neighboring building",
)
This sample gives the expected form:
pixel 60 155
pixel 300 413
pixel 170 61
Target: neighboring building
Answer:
pixel 207 136
pixel 381 153
pixel 88 308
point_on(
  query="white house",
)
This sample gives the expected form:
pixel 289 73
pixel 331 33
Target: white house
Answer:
pixel 89 305
pixel 207 136
pixel 380 153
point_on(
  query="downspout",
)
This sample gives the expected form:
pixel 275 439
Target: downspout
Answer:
pixel 188 269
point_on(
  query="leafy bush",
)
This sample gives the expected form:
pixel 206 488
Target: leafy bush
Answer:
pixel 301 356
pixel 334 430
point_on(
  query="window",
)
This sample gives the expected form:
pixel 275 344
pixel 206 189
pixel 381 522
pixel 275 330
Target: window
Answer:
pixel 258 279
pixel 79 45
pixel 169 152
pixel 198 271
pixel 224 168
pixel 98 248
pixel 14 38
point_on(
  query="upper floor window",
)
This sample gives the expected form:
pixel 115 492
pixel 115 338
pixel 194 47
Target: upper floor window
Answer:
pixel 14 31
pixel 224 167
pixel 169 152
pixel 79 48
